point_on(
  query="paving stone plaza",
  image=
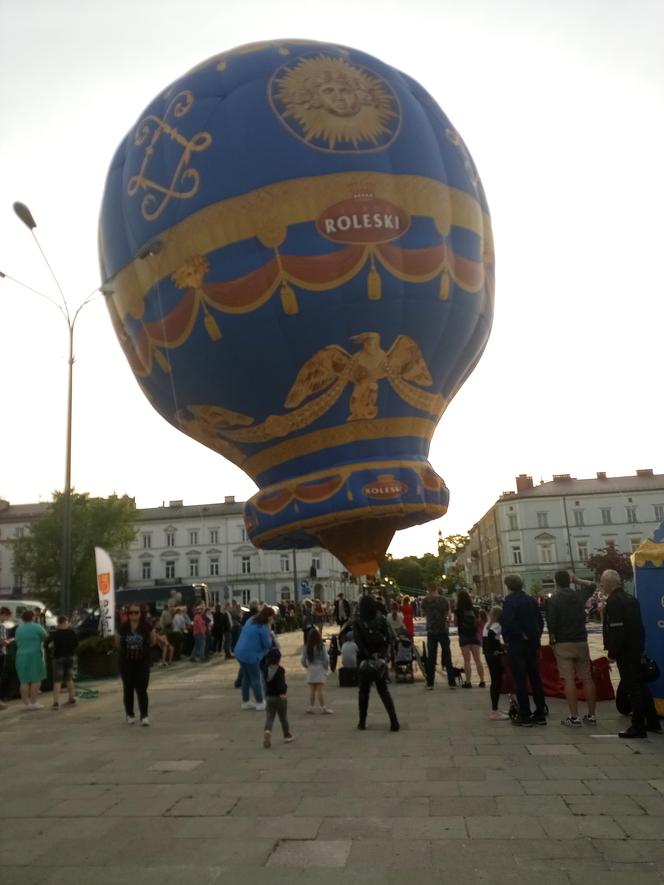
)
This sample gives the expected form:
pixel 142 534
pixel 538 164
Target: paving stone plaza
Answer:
pixel 196 798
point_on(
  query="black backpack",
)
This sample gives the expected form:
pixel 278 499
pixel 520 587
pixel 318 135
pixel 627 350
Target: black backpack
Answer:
pixel 468 621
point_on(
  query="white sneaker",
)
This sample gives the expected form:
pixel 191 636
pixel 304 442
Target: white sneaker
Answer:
pixel 145 722
pixel 326 710
pixel 267 740
pixel 311 710
pixel 32 707
pixel 247 705
pixel 498 716
pixel 131 720
pixel 261 706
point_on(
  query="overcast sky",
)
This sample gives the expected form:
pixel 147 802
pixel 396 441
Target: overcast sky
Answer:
pixel 561 105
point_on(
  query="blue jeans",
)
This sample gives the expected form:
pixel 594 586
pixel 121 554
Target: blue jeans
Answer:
pixel 524 663
pixel 251 677
pixel 199 648
pixel 433 641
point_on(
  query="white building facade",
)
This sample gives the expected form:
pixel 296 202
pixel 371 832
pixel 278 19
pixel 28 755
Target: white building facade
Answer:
pixel 204 543
pixel 539 529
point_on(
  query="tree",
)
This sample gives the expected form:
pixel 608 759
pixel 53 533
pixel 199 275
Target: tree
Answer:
pixel 95 522
pixel 451 545
pixel 406 572
pixel 611 558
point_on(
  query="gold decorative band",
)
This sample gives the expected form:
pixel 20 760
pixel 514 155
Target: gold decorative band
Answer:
pixel 434 511
pixel 346 471
pixel 337 436
pixel 267 212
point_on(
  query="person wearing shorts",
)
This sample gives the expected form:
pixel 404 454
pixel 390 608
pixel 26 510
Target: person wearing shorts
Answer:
pixel 566 619
pixel 65 643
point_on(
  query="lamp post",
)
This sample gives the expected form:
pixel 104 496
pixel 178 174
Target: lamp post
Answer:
pixel 26 217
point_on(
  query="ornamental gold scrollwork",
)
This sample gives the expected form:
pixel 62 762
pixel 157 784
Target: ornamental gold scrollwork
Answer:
pixel 185 181
pixel 321 381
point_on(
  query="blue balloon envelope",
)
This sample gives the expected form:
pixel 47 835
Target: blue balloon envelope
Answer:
pixel 298 260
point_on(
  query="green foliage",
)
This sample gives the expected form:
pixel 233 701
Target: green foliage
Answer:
pixel 93 646
pixel 611 557
pixel 101 522
pixel 417 573
pixel 451 545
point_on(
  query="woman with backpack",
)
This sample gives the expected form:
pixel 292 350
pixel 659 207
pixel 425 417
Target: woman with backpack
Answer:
pixel 469 642
pixel 372 636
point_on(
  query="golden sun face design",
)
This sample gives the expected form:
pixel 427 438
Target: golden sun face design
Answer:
pixel 333 105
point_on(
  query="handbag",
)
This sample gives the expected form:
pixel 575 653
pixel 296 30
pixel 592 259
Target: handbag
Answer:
pixel 650 671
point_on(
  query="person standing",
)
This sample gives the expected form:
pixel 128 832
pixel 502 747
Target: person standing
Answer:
pixel 252 646
pixel 200 630
pixel 407 611
pixel 522 627
pixel 30 665
pixel 466 617
pixel 5 642
pixel 275 697
pixel 341 610
pixel 624 641
pixel 494 652
pixel 65 643
pixel 316 661
pixel 372 636
pixel 436 609
pixel 566 617
pixel 134 641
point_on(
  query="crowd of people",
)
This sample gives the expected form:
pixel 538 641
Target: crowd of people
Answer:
pixel 506 640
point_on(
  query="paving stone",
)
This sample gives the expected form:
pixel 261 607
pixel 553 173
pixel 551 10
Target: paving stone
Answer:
pixel 492 788
pixel 570 826
pixel 620 788
pixel 200 807
pixel 642 827
pixel 297 853
pixel 504 827
pixel 598 805
pixel 553 750
pixel 176 765
pixel 443 827
pixel 652 805
pixel 555 788
pixel 341 806
pixel 466 806
pixel 396 854
pixel 81 807
pixel 358 827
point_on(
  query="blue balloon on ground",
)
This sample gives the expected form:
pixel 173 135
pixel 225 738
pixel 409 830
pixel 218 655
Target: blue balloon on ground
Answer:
pixel 299 264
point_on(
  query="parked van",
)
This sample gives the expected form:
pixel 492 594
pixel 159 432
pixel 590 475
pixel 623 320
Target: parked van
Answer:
pixel 18 606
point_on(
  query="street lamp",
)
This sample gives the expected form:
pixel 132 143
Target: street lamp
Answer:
pixel 26 217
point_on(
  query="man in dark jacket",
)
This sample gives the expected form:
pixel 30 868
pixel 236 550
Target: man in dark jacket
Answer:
pixel 566 616
pixel 522 628
pixel 372 637
pixel 436 610
pixel 624 641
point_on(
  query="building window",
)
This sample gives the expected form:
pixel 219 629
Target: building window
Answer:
pixel 170 539
pixel 512 522
pixel 246 597
pixel 636 543
pixel 193 568
pixel 659 512
pixel 285 563
pixel 545 553
pixel 19 532
pixel 516 555
pixel 147 541
pixel 18 583
pixel 543 520
pixel 582 551
pixel 147 571
pixel 243 533
pixel 214 567
pixel 631 514
pixel 246 565
pixel 578 517
pixel 170 568
pixel 315 562
pixel 606 515
pixel 193 537
pixel 123 573
pixel 214 536
pixel 285 594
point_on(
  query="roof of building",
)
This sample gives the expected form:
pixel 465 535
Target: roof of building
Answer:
pixel 22 512
pixel 192 511
pixel 560 486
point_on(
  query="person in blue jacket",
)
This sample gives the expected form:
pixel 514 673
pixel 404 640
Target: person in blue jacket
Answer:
pixel 522 625
pixel 254 643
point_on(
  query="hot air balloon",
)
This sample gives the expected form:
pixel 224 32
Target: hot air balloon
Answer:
pixel 298 261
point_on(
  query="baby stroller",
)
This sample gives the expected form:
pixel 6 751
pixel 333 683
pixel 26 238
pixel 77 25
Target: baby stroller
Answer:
pixel 404 654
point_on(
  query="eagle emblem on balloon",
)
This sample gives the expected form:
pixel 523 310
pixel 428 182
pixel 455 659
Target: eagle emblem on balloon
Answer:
pixel 297 259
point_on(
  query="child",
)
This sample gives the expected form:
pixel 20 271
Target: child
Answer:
pixel 317 663
pixel 493 652
pixel 275 697
pixel 65 642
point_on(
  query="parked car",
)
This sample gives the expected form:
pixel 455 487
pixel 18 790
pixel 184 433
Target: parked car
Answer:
pixel 18 606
